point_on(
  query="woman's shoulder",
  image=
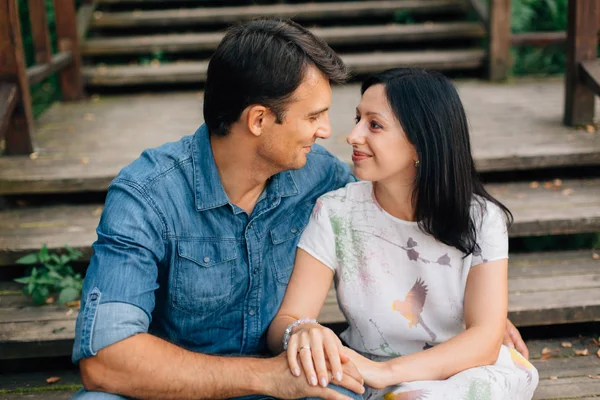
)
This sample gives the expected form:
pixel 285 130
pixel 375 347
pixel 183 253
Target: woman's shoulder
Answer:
pixel 351 193
pixel 483 209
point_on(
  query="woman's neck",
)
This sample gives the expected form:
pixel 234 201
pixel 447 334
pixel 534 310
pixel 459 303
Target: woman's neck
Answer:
pixel 396 199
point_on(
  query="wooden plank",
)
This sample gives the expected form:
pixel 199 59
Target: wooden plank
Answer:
pixel 84 19
pixel 569 367
pixel 499 62
pixel 557 351
pixel 590 75
pixel 195 72
pixel 59 61
pixel 354 35
pixel 12 70
pixel 571 388
pixel 581 46
pixel 36 339
pixel 299 12
pixel 39 31
pixel 71 83
pixel 49 395
pixel 8 102
pixel 482 11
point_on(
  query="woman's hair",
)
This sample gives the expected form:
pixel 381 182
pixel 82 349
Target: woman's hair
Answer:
pixel 446 185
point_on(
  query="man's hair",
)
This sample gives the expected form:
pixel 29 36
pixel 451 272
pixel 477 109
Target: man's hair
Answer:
pixel 263 62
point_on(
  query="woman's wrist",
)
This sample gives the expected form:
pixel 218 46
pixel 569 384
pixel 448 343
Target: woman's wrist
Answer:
pixel 390 372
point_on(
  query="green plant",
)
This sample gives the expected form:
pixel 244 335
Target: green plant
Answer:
pixel 51 275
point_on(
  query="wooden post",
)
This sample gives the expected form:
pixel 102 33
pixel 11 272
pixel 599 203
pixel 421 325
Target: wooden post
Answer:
pixel 71 82
pixel 499 62
pixel 39 31
pixel 582 39
pixel 13 71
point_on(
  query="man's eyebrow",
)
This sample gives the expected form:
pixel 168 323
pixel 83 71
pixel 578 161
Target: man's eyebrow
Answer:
pixel 319 111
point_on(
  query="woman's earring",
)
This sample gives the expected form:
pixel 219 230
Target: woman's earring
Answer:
pixel 417 164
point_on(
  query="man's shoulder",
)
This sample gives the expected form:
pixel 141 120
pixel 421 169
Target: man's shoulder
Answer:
pixel 168 159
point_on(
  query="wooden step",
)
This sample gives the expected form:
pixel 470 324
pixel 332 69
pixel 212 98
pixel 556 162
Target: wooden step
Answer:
pixel 299 12
pixel 335 36
pixel 195 71
pixel 81 146
pixel 538 211
pixel 33 331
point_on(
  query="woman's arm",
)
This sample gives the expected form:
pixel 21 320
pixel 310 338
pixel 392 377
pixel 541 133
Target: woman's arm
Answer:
pixel 486 303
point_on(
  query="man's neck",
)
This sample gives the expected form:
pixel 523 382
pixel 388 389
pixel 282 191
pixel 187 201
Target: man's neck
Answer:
pixel 242 176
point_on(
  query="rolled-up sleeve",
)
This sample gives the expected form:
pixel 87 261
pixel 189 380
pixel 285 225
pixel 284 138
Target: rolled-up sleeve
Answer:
pixel 118 292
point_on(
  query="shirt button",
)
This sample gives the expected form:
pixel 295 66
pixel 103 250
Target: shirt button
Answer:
pixel 294 230
pixel 206 259
pixel 255 271
pixel 249 226
pixel 251 312
pixel 93 297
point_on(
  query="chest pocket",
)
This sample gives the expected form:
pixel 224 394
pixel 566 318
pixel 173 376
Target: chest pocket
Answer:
pixel 203 276
pixel 285 237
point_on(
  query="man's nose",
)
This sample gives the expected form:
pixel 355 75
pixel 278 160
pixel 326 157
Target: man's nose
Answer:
pixel 324 131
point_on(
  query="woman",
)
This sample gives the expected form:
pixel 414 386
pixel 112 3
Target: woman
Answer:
pixel 419 254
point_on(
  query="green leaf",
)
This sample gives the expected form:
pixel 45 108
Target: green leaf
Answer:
pixel 68 294
pixel 40 294
pixel 55 259
pixel 44 254
pixel 29 259
pixel 64 259
pixel 25 280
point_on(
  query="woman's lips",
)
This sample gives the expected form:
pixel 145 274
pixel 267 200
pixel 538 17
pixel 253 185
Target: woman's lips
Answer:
pixel 359 156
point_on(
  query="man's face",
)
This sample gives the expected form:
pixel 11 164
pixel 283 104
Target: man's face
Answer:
pixel 306 118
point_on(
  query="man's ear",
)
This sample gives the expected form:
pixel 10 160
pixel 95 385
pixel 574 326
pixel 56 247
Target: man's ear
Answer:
pixel 257 117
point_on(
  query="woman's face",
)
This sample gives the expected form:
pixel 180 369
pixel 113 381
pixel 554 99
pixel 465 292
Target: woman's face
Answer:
pixel 381 150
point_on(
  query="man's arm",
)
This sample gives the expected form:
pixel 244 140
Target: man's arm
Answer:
pixel 144 366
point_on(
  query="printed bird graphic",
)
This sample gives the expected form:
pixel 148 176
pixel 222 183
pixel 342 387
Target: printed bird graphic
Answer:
pixel 412 306
pixel 521 363
pixel 420 394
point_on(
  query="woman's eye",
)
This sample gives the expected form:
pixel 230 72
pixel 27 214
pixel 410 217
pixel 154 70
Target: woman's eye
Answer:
pixel 357 119
pixel 375 125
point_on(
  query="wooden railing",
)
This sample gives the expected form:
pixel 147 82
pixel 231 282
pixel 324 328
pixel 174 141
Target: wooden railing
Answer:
pixel 16 118
pixel 582 74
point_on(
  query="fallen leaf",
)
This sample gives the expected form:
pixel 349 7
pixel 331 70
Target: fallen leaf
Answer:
pixel 155 63
pixel 583 352
pixel 53 379
pixel 567 192
pixel 596 342
pixel 534 185
pixel 50 300
pixel 58 330
pixel 594 376
pixel 97 15
pixel 553 378
pixel 76 303
pixel 545 357
pixel 557 183
pixel 85 160
pixel 95 98
pixel 98 211
pixel 547 185
pixel 566 344
pixel 89 117
pixel 590 128
pixel 70 312
pixel 598 353
pixel 34 155
pixel 596 256
pixel 545 351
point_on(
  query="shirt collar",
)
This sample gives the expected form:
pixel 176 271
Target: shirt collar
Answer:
pixel 209 190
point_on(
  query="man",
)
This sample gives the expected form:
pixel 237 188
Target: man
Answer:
pixel 197 240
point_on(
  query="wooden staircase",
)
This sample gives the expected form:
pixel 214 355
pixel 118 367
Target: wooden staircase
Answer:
pixel 546 173
pixel 174 40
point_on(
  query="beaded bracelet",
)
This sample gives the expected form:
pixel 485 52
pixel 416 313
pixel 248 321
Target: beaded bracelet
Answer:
pixel 288 330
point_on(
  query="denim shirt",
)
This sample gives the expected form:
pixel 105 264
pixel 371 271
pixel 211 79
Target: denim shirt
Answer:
pixel 175 258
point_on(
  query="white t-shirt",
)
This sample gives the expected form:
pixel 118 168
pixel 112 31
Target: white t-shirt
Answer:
pixel 400 289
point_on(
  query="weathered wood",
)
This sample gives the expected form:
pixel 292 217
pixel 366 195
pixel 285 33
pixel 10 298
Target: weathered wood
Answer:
pixel 332 35
pixel 557 351
pixel 8 102
pixel 499 62
pixel 571 388
pixel 482 11
pixel 590 75
pixel 12 70
pixel 49 395
pixel 582 44
pixel 538 38
pixel 39 31
pixel 195 72
pixel 514 126
pixel 568 367
pixel 12 381
pixel 71 83
pixel 59 61
pixel 299 12
pixel 84 19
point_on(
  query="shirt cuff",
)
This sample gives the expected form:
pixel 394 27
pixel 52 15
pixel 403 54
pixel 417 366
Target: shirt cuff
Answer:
pixel 99 326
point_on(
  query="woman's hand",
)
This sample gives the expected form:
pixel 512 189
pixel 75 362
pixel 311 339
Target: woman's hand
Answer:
pixel 374 373
pixel 317 348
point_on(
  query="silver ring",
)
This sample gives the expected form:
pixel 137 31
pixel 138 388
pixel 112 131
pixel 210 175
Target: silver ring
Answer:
pixel 303 347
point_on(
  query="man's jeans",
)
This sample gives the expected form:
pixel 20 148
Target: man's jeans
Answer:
pixel 85 395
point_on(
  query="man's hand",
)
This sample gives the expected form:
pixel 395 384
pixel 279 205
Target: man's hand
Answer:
pixel 282 384
pixel 512 338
